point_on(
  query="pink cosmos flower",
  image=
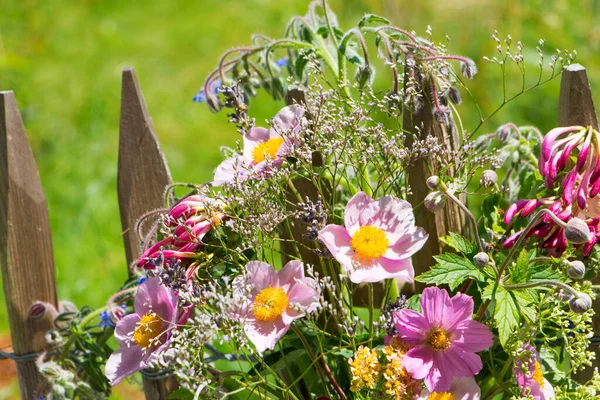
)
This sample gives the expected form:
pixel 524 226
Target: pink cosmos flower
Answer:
pixel 443 340
pixel 377 239
pixel 461 389
pixel 530 376
pixel 276 300
pixel 263 148
pixel 145 333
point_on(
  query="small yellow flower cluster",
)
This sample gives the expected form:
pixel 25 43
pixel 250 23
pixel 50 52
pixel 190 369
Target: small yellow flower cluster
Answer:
pixel 399 384
pixel 365 369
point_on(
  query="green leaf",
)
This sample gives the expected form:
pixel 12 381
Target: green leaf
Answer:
pixel 518 272
pixel 491 217
pixel 181 393
pixel 506 314
pixel 459 243
pixel 510 305
pixel 539 272
pixel 451 269
pixel 287 359
pixel 371 18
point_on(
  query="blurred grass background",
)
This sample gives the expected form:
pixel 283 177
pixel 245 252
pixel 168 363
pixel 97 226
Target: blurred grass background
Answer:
pixel 63 59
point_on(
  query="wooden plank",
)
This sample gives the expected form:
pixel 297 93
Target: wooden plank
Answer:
pixel 25 243
pixel 142 177
pixel 576 107
pixel 421 124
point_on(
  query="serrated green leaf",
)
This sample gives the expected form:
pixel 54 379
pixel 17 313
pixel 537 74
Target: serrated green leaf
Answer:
pixel 181 393
pixel 371 18
pixel 518 272
pixel 451 269
pixel 506 314
pixel 539 272
pixel 459 243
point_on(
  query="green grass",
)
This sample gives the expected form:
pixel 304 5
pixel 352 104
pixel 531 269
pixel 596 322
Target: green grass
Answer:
pixel 63 59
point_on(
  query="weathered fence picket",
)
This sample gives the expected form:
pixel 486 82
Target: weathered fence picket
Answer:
pixel 25 244
pixel 142 177
pixel 576 107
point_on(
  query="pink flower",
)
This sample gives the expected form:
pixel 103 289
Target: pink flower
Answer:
pixel 263 148
pixel 145 333
pixel 443 340
pixel 377 240
pixel 276 300
pixel 530 376
pixel 461 389
pixel 186 225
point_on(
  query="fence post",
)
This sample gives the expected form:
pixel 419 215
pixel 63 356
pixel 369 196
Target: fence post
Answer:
pixel 25 244
pixel 576 107
pixel 421 124
pixel 142 177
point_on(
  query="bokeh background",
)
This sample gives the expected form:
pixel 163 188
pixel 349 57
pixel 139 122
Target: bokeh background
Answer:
pixel 63 59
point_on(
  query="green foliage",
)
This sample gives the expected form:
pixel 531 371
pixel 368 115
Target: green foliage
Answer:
pixel 451 269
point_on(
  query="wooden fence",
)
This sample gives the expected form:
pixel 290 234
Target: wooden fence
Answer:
pixel 25 240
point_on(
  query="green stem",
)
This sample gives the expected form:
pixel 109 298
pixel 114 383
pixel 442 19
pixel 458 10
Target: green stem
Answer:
pixel 310 354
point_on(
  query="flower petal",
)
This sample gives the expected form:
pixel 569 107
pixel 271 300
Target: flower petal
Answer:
pixel 473 336
pixel 381 269
pixel 155 297
pixel 418 361
pixel 124 327
pixel 411 326
pixel 435 304
pixel 265 335
pixel 261 275
pixel 337 240
pixel 122 363
pixel 229 170
pixel 287 276
pixel 353 211
pixel 407 245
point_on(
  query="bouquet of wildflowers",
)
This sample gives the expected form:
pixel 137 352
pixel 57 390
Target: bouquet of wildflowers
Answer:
pixel 301 271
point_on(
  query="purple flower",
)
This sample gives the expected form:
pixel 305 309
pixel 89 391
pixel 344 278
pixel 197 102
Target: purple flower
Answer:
pixel 277 299
pixel 263 148
pixel 214 87
pixel 145 333
pixel 106 320
pixel 282 62
pixel 377 239
pixel 443 339
pixel 530 376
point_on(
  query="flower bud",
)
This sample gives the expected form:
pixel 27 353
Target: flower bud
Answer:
pixel 454 95
pixel 502 133
pixel 435 201
pixel 580 303
pixel 433 182
pixel 481 260
pixel 37 311
pixel 563 295
pixel 364 76
pixel 488 179
pixel 577 231
pixel 468 69
pixel 576 269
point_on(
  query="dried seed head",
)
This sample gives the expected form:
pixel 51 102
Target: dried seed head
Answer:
pixel 488 179
pixel 481 260
pixel 580 303
pixel 435 201
pixel 576 269
pixel 577 231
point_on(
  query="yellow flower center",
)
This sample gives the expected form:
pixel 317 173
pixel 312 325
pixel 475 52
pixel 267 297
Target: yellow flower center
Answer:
pixel 149 327
pixel 438 340
pixel 369 243
pixel 538 375
pixel 266 150
pixel 269 304
pixel 441 396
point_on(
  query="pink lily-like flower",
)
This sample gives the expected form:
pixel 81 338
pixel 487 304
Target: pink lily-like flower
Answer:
pixel 461 389
pixel 186 223
pixel 443 340
pixel 580 187
pixel 263 148
pixel 276 300
pixel 530 376
pixel 377 239
pixel 145 333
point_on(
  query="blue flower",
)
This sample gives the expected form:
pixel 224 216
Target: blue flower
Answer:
pixel 282 62
pixel 200 97
pixel 106 321
pixel 142 280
